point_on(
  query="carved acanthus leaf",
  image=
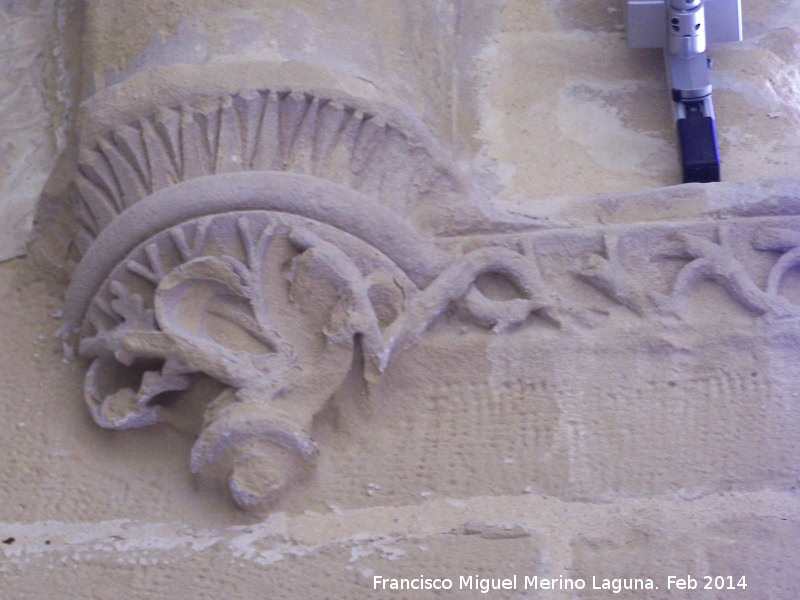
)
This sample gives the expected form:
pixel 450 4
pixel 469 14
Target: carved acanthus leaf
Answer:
pixel 608 274
pixel 354 314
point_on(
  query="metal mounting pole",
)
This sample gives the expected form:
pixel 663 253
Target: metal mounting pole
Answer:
pixel 683 28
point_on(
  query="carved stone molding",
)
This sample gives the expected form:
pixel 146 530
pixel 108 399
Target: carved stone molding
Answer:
pixel 263 282
pixel 358 144
pixel 273 240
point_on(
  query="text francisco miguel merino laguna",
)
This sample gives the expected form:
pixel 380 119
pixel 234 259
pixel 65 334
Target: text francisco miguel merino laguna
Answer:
pixel 487 584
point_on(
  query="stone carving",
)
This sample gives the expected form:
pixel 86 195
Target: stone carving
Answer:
pixel 786 241
pixel 706 259
pixel 608 274
pixel 269 302
pixel 710 260
pixel 368 148
pixel 264 240
pixel 255 300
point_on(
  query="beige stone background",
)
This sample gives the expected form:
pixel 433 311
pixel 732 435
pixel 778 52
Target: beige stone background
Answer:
pixel 541 102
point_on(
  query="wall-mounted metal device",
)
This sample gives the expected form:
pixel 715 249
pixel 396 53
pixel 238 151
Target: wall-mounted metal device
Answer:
pixel 683 28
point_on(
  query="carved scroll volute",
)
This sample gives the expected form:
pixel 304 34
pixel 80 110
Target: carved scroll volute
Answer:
pixel 259 302
pixel 281 369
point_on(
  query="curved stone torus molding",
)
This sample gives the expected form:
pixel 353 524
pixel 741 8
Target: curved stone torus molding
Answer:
pixel 275 284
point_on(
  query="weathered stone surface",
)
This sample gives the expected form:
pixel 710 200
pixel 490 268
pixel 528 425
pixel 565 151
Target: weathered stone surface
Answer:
pixel 28 127
pixel 478 542
pixel 293 292
pixel 642 345
pixel 723 557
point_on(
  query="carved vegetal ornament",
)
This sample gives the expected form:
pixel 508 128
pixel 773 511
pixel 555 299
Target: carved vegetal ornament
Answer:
pixel 264 240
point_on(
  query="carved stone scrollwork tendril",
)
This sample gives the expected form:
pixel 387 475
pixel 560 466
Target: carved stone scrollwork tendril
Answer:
pixel 778 239
pixel 718 262
pixel 457 282
pixel 705 260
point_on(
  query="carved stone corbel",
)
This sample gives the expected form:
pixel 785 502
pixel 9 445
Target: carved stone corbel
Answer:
pixel 245 287
pixel 263 281
pixel 263 239
pixel 255 241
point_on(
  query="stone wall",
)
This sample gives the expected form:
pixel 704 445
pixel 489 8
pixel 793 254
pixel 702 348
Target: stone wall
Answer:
pixel 325 296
